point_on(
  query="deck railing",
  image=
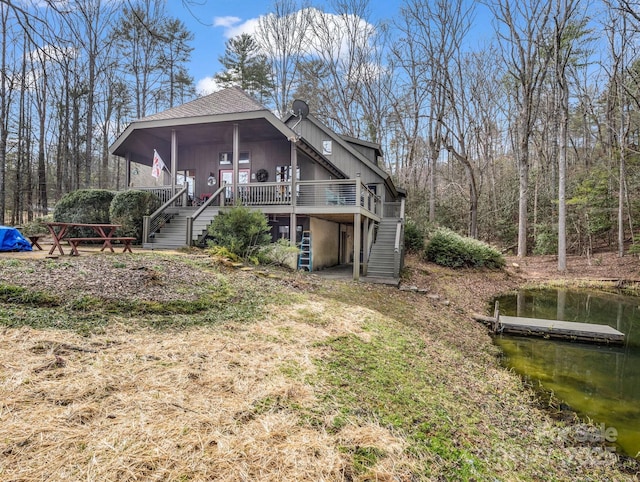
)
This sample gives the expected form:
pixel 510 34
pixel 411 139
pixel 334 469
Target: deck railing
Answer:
pixel 264 194
pixel 330 193
pixel 211 201
pixel 338 193
pixel 398 246
pixel 164 193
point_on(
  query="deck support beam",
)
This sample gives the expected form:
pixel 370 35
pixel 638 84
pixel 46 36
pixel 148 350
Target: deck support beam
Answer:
pixel 174 160
pixel 357 245
pixel 365 245
pixel 236 160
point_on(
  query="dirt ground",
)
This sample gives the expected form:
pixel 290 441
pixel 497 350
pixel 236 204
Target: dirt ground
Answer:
pixel 603 266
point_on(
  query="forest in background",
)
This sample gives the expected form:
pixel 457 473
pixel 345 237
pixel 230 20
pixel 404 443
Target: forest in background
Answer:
pixel 527 139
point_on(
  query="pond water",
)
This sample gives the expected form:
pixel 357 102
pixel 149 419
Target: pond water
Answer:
pixel 601 383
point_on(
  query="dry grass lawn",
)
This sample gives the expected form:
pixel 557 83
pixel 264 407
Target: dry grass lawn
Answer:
pixel 324 381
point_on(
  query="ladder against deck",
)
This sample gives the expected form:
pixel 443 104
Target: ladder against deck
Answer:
pixel 560 329
pixel 304 258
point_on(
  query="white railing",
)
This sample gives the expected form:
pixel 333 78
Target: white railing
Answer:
pixel 338 193
pixel 164 193
pixel 329 194
pixel 265 194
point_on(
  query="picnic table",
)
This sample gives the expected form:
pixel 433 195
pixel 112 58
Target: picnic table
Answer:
pixel 104 232
pixel 34 240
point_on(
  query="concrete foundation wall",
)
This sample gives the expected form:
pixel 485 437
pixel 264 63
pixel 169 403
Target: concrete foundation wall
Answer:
pixel 325 243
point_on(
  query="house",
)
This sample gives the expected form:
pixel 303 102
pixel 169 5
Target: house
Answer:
pixel 326 191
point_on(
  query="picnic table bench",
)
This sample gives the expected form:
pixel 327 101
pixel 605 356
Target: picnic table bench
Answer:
pixel 105 234
pixel 34 240
pixel 126 241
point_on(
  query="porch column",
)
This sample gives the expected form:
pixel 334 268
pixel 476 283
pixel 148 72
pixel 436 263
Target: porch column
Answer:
pixel 294 170
pixel 293 221
pixel 293 218
pixel 357 243
pixel 236 161
pixel 174 160
pixel 365 245
pixel 127 172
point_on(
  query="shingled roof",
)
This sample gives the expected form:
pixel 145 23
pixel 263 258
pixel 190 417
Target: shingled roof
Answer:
pixel 227 101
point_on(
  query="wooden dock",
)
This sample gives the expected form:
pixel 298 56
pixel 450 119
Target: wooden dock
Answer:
pixel 568 330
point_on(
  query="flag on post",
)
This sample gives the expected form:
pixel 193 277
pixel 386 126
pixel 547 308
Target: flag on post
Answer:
pixel 157 166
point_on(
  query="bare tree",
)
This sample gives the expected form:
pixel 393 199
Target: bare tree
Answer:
pixel 6 90
pixel 408 101
pixel 566 33
pixel 283 35
pixel 139 42
pixel 427 44
pixel 344 44
pixel 522 28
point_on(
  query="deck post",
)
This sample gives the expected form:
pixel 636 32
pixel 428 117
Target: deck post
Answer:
pixel 294 170
pixel 236 160
pixel 496 317
pixel 189 230
pixel 293 220
pixel 146 227
pixel 365 244
pixel 174 160
pixel 357 244
pixel 128 170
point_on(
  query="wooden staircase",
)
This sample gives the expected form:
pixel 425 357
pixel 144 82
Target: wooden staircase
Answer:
pixel 384 261
pixel 173 234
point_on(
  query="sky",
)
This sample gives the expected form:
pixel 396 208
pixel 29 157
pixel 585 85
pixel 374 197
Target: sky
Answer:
pixel 213 22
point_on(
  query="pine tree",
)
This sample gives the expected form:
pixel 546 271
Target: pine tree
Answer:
pixel 245 67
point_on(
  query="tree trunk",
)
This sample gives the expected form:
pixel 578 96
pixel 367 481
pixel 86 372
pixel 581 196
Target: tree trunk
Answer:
pixel 523 194
pixel 562 177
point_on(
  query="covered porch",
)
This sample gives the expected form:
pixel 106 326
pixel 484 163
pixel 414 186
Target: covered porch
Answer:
pixel 335 203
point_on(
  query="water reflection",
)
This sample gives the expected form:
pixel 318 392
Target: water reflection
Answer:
pixel 599 382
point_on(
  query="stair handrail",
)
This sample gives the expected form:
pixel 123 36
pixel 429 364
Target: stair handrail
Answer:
pixel 150 223
pixel 399 227
pixel 206 204
pixel 200 210
pixel 399 251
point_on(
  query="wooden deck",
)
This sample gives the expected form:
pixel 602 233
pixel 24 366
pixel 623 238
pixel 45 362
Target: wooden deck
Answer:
pixel 568 330
pixel 560 329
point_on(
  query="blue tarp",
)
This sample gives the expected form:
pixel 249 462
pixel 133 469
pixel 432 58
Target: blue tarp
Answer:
pixel 12 240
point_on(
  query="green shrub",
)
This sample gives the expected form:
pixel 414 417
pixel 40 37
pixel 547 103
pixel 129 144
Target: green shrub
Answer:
pixel 221 252
pixel 84 206
pixel 450 249
pixel 280 253
pixel 129 208
pixel 413 237
pixel 37 226
pixel 546 241
pixel 241 230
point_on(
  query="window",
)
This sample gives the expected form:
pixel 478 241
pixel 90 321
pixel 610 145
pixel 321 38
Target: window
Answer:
pixel 227 157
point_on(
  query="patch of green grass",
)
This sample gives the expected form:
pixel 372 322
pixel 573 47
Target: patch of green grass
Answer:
pixel 382 299
pixel 388 379
pixel 291 369
pixel 10 263
pixel 52 318
pixel 221 300
pixel 363 458
pixel 26 296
